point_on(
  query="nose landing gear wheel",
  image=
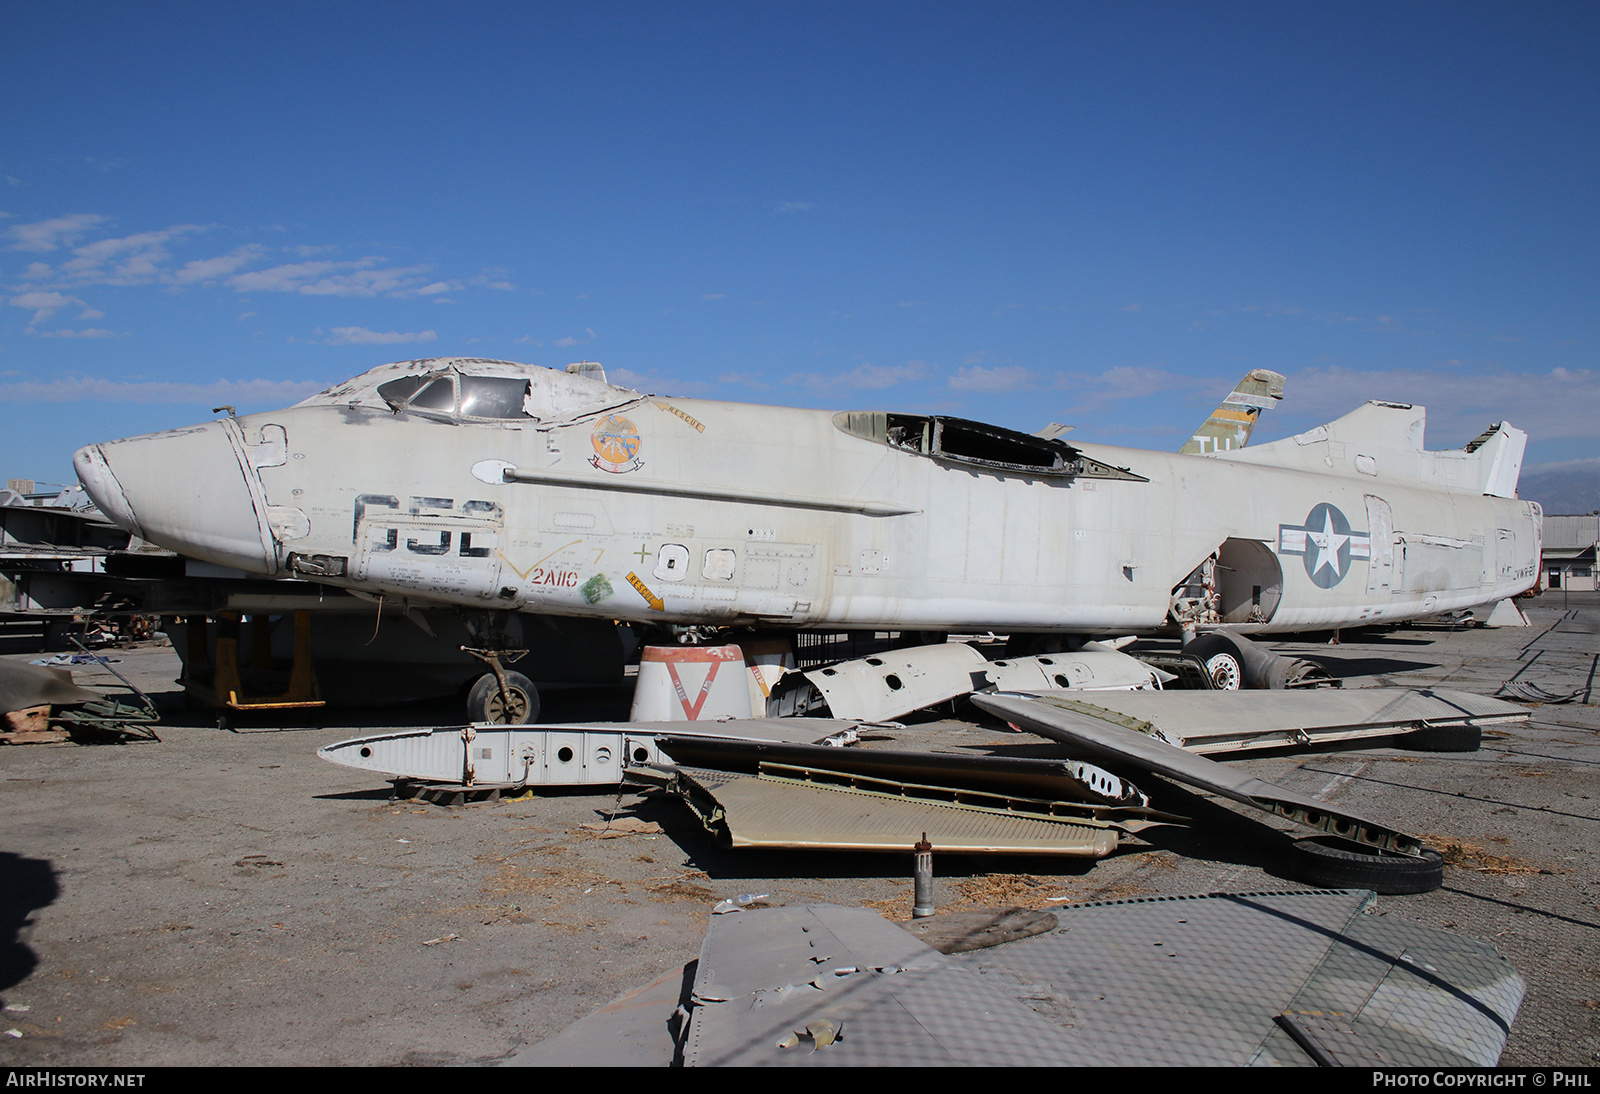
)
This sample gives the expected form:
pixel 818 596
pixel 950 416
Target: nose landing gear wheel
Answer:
pixel 518 706
pixel 1221 659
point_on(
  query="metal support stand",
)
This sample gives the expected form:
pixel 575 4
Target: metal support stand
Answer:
pixel 922 878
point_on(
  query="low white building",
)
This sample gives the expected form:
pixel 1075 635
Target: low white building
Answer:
pixel 1569 551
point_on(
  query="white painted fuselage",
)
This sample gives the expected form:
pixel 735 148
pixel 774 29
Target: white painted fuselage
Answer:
pixel 592 500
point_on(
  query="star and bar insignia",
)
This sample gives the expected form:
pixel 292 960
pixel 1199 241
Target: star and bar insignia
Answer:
pixel 1327 544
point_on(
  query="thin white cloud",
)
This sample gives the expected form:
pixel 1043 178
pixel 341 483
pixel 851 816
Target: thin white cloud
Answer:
pixel 569 341
pixel 748 379
pixel 864 377
pixel 87 332
pixel 361 336
pixel 215 269
pixel 43 304
pixel 1093 392
pixel 656 384
pixel 977 378
pixel 494 277
pixel 361 277
pixel 129 260
pixel 1559 403
pixel 91 389
pixel 47 235
pixel 79 260
pixel 794 206
pixel 1591 463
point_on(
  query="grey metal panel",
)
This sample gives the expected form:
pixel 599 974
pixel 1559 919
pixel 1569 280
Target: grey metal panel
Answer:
pixel 896 682
pixel 1412 993
pixel 1068 780
pixel 1093 729
pixel 1208 722
pixel 759 812
pixel 1187 981
pixel 438 755
pixel 765 975
pixel 632 1031
pixel 32 685
pixel 1200 980
pixel 1175 981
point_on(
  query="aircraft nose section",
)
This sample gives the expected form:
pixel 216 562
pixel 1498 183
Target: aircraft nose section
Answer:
pixel 189 490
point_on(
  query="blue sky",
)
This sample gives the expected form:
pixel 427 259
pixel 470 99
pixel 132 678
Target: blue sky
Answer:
pixel 1100 215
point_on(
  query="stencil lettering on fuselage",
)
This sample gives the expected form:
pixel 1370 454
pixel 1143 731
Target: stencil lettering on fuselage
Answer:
pixel 432 546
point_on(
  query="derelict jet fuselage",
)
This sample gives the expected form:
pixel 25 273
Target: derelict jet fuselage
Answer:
pixel 491 485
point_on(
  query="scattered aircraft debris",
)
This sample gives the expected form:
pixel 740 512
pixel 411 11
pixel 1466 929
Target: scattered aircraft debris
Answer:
pixel 753 794
pixel 896 682
pixel 1223 723
pixel 35 698
pixel 767 783
pixel 1277 978
pixel 1381 857
pixel 512 757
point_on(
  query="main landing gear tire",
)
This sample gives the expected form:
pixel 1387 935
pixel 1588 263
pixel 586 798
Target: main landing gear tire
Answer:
pixel 1327 862
pixel 486 704
pixel 1221 659
pixel 1443 739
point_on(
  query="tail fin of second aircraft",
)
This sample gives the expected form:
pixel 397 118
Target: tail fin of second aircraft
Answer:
pixel 1230 424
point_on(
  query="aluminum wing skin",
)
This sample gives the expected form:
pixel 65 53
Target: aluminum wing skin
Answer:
pixel 1099 732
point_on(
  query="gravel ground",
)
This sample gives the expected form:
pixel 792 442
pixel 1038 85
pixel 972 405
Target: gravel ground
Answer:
pixel 227 898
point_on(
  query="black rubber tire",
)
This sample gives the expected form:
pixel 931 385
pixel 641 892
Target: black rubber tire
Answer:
pixel 1327 862
pixel 1442 739
pixel 1221 660
pixel 485 704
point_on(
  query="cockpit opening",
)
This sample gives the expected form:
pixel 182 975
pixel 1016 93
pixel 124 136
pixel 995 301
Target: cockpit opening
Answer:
pixel 978 445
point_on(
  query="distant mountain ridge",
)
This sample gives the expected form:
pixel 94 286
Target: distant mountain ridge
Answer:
pixel 1571 487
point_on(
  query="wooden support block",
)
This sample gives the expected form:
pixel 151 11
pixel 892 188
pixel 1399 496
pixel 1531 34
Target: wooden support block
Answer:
pixel 28 719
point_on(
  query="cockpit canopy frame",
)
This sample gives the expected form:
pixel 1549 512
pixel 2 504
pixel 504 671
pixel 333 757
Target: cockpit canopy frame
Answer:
pixel 470 390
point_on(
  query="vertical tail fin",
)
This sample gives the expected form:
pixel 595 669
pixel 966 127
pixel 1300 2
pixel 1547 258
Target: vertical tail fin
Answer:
pixel 1499 450
pixel 1230 424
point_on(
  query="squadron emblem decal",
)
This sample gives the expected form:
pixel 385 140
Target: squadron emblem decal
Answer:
pixel 1327 544
pixel 616 445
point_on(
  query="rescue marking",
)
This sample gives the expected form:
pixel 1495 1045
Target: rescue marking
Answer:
pixel 1326 543
pixel 639 587
pixel 670 409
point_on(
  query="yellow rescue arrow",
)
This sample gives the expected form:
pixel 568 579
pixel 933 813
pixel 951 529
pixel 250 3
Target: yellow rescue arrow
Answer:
pixel 650 598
